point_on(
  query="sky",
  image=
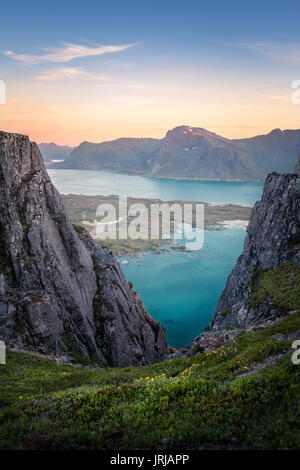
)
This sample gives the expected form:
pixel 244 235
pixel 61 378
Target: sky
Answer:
pixel 95 70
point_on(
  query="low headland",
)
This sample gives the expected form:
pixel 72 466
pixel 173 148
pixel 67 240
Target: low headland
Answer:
pixel 81 210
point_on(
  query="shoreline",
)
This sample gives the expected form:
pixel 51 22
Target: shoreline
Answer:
pixel 82 213
pixel 179 178
pixel 170 247
pixel 157 200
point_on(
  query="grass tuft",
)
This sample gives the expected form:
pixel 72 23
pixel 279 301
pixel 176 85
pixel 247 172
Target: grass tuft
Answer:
pixel 280 285
pixel 237 396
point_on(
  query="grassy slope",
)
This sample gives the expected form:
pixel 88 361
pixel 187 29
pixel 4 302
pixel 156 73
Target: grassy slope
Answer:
pixel 197 402
pixel 280 285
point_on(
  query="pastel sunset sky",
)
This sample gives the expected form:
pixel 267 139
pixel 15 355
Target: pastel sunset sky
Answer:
pixel 98 70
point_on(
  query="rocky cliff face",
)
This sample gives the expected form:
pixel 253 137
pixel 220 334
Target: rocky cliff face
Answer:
pixel 297 167
pixel 265 282
pixel 273 239
pixel 60 294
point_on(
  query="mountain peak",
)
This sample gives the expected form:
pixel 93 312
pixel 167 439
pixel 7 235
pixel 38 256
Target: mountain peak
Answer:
pixel 187 132
pixel 192 152
pixel 276 132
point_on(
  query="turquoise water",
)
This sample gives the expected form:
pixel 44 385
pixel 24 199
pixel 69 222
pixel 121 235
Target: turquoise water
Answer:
pixel 91 182
pixel 181 290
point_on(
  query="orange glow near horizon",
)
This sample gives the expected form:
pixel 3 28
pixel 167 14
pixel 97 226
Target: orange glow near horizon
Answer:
pixel 67 113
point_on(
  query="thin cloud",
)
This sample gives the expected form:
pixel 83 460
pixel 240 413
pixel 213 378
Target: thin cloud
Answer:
pixel 67 52
pixel 289 52
pixel 69 73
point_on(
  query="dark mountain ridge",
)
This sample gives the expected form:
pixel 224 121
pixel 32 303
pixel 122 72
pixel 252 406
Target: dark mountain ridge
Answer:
pixel 51 151
pixel 272 152
pixel 192 152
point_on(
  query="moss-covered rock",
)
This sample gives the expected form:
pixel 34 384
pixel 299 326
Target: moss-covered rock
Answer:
pixel 280 286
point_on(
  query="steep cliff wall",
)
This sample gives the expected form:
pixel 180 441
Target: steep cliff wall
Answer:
pixel 59 294
pixel 273 240
pixel 297 167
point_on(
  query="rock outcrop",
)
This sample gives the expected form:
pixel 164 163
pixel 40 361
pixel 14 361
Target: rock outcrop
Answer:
pixel 297 167
pixel 273 239
pixel 60 294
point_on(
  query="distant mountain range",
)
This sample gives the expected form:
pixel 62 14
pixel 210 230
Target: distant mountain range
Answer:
pixel 55 152
pixel 192 152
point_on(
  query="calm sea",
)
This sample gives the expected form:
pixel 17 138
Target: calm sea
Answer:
pixel 92 183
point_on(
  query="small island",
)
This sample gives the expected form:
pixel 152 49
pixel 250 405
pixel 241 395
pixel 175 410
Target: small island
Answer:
pixel 81 210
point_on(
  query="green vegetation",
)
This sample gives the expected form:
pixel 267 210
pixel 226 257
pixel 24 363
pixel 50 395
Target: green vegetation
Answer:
pixel 244 394
pixel 224 312
pixel 78 228
pixel 131 247
pixel 30 260
pixel 280 285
